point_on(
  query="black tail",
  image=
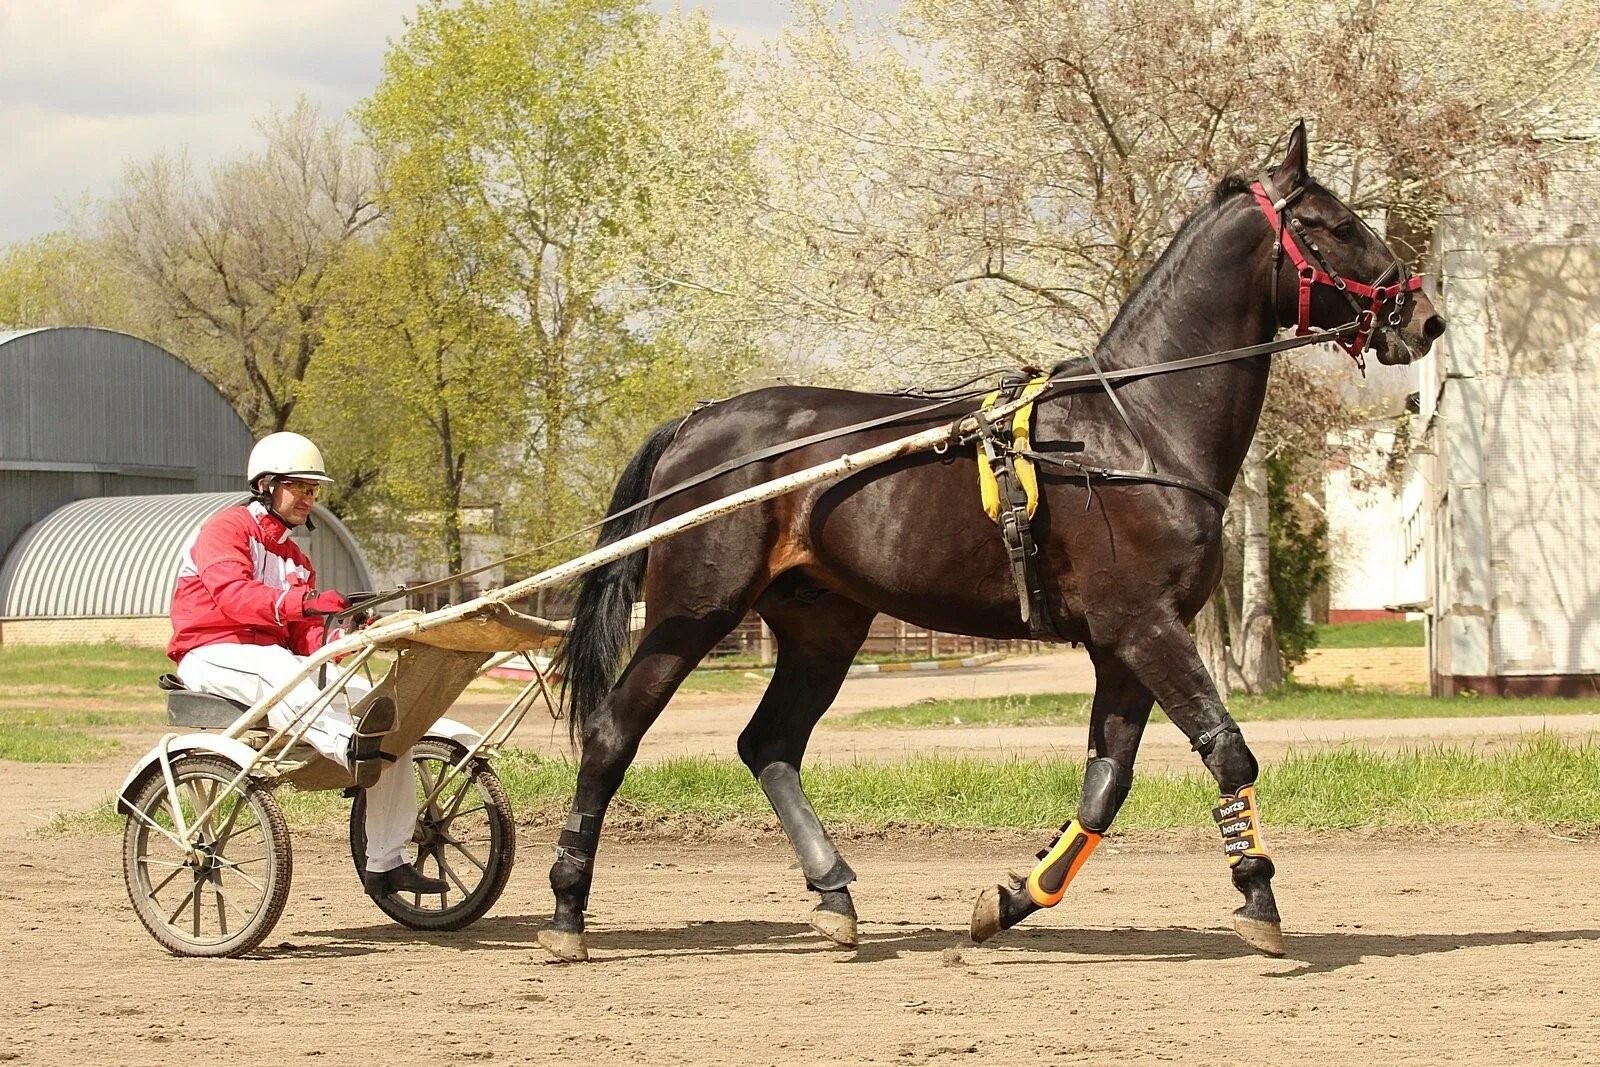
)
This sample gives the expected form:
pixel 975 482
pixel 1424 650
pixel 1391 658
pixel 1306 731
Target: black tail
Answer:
pixel 594 645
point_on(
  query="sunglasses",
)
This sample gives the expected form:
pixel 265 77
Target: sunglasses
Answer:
pixel 299 486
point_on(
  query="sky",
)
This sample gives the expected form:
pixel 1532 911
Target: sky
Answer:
pixel 86 86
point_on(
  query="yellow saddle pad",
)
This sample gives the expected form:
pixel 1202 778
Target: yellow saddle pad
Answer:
pixel 1021 420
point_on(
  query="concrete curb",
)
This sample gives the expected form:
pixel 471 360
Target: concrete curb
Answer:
pixel 982 660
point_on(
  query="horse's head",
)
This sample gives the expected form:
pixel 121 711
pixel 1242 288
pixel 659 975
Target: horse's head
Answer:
pixel 1332 269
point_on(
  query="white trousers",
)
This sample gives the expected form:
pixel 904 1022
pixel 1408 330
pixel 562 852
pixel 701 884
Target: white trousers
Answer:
pixel 249 672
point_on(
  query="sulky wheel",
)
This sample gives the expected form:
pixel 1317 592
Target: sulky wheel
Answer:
pixel 221 896
pixel 465 836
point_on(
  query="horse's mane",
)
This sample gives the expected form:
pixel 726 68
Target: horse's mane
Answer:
pixel 1228 187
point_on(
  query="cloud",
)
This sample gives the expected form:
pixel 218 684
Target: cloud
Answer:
pixel 86 86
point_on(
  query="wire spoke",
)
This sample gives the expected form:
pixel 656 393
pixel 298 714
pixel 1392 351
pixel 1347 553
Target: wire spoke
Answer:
pixel 234 867
pixel 226 830
pixel 195 896
pixel 168 881
pixel 222 907
pixel 198 801
pixel 183 903
pixel 459 847
pixel 448 819
pixel 455 801
pixel 450 873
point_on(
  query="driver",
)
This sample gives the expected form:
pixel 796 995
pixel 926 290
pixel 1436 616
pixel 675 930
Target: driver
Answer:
pixel 246 614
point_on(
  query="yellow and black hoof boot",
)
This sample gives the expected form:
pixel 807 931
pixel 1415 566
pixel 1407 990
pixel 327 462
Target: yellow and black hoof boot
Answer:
pixel 840 929
pixel 1060 863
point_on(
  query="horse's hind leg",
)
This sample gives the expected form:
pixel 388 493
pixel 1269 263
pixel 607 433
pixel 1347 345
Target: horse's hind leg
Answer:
pixel 611 737
pixel 1116 724
pixel 1161 653
pixel 818 634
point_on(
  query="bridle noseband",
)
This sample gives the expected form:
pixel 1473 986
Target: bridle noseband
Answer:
pixel 1387 301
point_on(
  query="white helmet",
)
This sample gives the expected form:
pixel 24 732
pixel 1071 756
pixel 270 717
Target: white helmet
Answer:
pixel 286 455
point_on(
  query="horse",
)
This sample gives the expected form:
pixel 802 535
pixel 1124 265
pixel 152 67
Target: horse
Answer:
pixel 1124 564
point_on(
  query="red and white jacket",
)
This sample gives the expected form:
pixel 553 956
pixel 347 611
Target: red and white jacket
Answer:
pixel 243 582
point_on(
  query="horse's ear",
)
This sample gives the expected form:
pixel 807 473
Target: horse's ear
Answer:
pixel 1291 173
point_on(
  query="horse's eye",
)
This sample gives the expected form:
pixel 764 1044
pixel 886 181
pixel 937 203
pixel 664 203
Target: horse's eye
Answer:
pixel 1345 230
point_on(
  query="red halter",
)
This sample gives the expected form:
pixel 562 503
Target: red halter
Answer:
pixel 1378 296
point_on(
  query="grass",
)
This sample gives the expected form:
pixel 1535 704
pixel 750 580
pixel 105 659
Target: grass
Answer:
pixel 51 744
pixel 1544 781
pixel 1292 702
pixel 1390 633
pixel 82 669
pixel 50 696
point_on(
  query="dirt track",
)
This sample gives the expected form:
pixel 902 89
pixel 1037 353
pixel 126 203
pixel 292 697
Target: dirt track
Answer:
pixel 1417 954
pixel 1444 949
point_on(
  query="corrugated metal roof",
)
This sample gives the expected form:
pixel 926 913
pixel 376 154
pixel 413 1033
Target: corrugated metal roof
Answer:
pixel 118 556
pixel 12 335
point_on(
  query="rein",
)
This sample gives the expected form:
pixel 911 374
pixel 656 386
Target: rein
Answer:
pixel 1055 386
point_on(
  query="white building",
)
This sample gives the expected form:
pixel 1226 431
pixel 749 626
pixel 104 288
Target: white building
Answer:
pixel 1508 441
pixel 1376 563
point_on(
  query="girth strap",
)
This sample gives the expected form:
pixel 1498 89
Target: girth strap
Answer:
pixel 1014 507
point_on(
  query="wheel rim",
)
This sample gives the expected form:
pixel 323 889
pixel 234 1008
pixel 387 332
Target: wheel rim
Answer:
pixel 211 894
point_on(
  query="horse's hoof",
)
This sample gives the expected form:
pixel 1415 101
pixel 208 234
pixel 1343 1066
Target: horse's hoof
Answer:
pixel 1265 937
pixel 840 929
pixel 564 946
pixel 986 915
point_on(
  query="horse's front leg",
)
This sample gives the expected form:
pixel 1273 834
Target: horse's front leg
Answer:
pixel 1116 723
pixel 1162 655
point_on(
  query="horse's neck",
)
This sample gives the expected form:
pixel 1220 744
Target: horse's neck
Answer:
pixel 1207 296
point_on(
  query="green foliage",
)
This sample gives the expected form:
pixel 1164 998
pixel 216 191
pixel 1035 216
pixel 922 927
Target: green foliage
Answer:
pixel 548 167
pixel 59 279
pixel 1299 561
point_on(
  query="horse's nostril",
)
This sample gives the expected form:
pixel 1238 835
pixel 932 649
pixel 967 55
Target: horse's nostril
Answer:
pixel 1433 327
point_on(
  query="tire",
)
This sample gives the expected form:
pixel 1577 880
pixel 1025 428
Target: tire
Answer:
pixel 473 848
pixel 245 874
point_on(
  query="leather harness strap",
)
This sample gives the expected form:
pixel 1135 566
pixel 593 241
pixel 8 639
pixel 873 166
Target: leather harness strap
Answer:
pixel 999 451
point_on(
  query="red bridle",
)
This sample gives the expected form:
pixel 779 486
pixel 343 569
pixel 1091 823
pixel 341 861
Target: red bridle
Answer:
pixel 1379 297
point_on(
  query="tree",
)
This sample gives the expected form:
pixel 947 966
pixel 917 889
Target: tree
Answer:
pixel 419 378
pixel 60 279
pixel 236 266
pixel 592 150
pixel 990 183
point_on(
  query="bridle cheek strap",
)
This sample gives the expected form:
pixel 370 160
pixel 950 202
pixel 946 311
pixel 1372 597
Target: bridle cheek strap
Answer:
pixel 1378 296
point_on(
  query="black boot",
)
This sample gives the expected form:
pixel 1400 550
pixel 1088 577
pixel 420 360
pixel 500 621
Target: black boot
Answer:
pixel 402 879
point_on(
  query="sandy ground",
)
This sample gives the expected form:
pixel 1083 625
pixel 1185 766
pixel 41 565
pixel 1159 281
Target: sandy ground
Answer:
pixel 1469 952
pixel 1466 950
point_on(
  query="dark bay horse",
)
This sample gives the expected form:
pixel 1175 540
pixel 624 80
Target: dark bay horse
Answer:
pixel 1125 566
